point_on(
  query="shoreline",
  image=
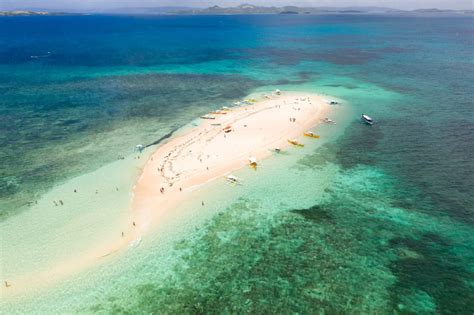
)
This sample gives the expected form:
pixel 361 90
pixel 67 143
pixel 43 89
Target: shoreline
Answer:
pixel 148 207
pixel 207 152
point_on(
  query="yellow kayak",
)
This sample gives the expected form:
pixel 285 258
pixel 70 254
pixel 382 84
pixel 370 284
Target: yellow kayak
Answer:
pixel 311 135
pixel 294 142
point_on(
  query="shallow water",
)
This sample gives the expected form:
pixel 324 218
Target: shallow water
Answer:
pixel 368 220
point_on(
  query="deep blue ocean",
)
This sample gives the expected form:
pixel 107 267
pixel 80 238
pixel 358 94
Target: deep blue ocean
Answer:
pixel 79 91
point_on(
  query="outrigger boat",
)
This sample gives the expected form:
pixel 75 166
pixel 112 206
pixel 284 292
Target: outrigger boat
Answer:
pixel 208 117
pixel 311 135
pixel 139 148
pixel 227 129
pixel 295 142
pixel 234 180
pixel 328 121
pixel 367 119
pixel 218 112
pixel 253 162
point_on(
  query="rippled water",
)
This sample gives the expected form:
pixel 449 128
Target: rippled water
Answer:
pixel 374 220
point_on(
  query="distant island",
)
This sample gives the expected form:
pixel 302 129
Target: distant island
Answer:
pixel 22 12
pixel 253 9
pixel 32 13
pixel 246 9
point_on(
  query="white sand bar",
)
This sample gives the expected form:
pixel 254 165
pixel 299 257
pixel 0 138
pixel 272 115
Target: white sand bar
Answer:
pixel 208 152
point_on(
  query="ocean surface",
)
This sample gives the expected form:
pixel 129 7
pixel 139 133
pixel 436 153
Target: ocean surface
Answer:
pixel 371 220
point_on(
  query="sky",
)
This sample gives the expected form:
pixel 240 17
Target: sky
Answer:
pixel 108 4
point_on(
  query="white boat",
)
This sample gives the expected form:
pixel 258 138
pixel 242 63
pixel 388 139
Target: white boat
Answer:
pixel 136 242
pixel 277 92
pixel 234 180
pixel 367 119
pixel 208 117
pixel 139 147
pixel 328 121
pixel 277 150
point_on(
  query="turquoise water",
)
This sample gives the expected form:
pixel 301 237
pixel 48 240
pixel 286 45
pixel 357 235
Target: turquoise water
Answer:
pixel 371 220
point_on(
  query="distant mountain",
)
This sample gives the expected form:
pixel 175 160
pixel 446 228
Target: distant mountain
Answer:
pixel 244 9
pixel 241 9
pixel 253 9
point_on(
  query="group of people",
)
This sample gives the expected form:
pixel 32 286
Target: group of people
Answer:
pixel 58 204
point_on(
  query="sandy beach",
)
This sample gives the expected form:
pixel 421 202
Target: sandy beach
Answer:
pixel 213 149
pixel 219 146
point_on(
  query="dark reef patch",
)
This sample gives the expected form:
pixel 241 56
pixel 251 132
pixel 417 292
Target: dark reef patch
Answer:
pixel 437 271
pixel 316 214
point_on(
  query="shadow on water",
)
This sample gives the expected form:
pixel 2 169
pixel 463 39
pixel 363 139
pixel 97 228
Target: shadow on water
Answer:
pixel 166 136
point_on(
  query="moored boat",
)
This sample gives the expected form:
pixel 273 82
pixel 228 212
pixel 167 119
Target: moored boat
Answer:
pixel 367 119
pixel 218 112
pixel 227 129
pixel 328 121
pixel 234 180
pixel 311 135
pixel 295 142
pixel 253 162
pixel 208 117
